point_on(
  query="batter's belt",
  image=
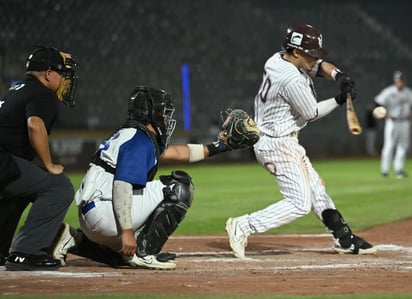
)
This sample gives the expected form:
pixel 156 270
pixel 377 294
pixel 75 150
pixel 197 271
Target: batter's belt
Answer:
pixel 292 134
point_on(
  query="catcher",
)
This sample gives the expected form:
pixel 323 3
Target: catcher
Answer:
pixel 125 216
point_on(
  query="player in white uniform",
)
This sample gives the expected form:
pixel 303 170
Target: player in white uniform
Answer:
pixel 397 99
pixel 125 216
pixel 285 103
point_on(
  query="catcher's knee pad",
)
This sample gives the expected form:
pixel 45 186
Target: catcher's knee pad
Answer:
pixel 178 197
pixel 335 223
pixel 179 188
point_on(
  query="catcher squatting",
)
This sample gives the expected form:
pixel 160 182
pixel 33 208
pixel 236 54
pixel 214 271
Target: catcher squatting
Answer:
pixel 125 216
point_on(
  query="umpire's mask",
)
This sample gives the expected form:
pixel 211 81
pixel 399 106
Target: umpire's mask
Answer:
pixel 44 58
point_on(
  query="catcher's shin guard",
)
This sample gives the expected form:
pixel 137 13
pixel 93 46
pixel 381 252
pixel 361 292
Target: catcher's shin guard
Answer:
pixel 178 196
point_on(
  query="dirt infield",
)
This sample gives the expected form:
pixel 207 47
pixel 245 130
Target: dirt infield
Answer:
pixel 276 264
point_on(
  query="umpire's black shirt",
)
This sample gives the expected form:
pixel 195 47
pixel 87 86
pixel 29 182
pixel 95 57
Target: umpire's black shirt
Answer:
pixel 26 99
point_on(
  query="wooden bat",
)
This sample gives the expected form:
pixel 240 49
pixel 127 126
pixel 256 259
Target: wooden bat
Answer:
pixel 351 117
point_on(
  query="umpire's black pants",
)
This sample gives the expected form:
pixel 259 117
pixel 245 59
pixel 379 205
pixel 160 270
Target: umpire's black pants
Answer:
pixel 51 196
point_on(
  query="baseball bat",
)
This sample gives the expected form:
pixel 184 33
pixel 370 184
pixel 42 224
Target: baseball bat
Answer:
pixel 351 117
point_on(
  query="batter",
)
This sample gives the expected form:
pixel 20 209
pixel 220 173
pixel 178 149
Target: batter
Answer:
pixel 285 103
pixel 397 99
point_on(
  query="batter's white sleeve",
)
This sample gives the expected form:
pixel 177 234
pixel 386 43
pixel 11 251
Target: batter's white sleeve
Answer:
pixel 325 107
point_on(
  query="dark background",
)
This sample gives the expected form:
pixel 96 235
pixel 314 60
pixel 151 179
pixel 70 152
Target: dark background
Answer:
pixel 124 43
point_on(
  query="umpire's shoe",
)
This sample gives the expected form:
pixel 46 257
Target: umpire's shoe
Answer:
pixel 237 238
pixel 150 261
pixel 3 260
pixel 357 246
pixel 24 262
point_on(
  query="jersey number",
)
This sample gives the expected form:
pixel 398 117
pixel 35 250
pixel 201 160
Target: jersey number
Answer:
pixel 264 88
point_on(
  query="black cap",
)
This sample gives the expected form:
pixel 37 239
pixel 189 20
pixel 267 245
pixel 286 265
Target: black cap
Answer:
pixel 44 58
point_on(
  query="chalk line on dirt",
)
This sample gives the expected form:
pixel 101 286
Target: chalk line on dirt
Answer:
pixel 19 274
pixel 381 247
pixel 260 236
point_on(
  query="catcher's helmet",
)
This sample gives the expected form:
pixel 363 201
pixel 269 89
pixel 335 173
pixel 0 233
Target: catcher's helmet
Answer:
pixel 153 106
pixel 43 58
pixel 306 38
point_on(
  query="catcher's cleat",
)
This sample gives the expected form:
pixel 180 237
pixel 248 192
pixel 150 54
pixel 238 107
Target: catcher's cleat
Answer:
pixel 357 246
pixel 237 239
pixel 149 261
pixel 64 242
pixel 165 256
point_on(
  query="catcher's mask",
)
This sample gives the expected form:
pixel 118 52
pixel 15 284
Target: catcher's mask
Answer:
pixel 153 106
pixel 44 58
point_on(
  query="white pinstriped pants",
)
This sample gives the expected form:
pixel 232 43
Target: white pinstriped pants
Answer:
pixel 302 188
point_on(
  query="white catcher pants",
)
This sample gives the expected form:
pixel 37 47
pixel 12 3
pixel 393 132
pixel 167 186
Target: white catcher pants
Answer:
pixel 96 215
pixel 302 188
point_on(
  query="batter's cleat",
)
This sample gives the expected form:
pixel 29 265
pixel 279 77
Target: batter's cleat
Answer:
pixel 64 242
pixel 237 239
pixel 357 246
pixel 149 261
pixel 24 262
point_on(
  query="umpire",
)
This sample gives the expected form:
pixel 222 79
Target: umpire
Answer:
pixel 28 112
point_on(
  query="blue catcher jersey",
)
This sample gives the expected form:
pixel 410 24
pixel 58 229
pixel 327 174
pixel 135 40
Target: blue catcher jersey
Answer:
pixel 132 153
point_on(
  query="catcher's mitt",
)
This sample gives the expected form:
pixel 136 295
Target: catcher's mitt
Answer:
pixel 238 129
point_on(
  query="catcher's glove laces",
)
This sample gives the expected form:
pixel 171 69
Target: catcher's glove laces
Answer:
pixel 238 129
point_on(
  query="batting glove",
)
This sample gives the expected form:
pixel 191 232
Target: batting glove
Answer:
pixel 341 98
pixel 346 85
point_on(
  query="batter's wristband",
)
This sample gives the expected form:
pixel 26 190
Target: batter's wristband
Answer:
pixel 216 147
pixel 336 74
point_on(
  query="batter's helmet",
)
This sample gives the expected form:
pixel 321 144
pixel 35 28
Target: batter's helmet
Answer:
pixel 306 38
pixel 153 106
